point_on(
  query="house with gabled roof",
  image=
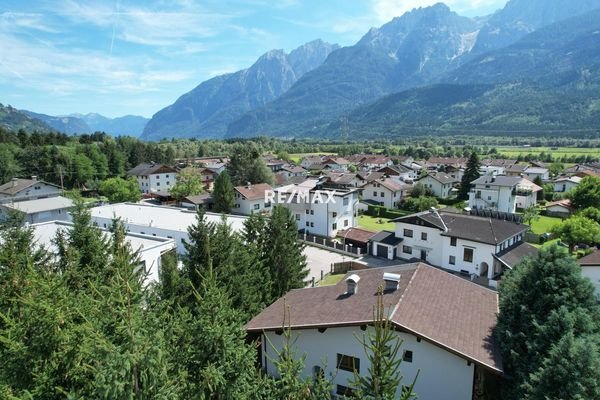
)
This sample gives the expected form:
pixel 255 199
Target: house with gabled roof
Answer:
pixel 440 183
pixel 590 268
pixel 481 247
pixel 399 172
pixel 18 189
pixel 446 324
pixel 252 199
pixel 154 179
pixel 386 191
pixel 502 193
pixel 564 184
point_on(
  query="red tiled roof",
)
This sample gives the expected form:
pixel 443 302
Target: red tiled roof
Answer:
pixel 356 234
pixel 254 192
pixel 591 260
pixel 439 307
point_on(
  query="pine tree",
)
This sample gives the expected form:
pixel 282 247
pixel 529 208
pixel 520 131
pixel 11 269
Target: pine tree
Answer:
pixel 285 258
pixel 223 194
pixel 382 348
pixel 541 301
pixel 471 174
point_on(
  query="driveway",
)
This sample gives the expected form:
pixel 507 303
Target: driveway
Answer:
pixel 320 260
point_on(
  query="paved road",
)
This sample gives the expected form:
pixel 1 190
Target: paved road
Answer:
pixel 320 260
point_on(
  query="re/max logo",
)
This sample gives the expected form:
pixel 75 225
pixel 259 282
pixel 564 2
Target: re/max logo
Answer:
pixel 294 196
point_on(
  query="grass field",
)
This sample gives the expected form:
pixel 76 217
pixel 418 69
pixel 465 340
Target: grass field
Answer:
pixel 544 224
pixel 515 151
pixel 330 279
pixel 297 157
pixel 372 223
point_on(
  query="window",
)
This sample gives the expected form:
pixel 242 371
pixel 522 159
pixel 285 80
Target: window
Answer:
pixel 345 391
pixel 348 363
pixel 168 183
pixel 297 217
pixel 307 212
pixel 453 241
pixel 157 183
pixel 312 224
pixel 334 226
pixel 408 356
pixel 345 222
pixel 334 214
pixel 408 233
pixel 307 223
pixel 257 206
pixel 468 255
pixel 489 198
pixel 346 201
pixel 267 205
pixel 312 212
pixel 423 235
pixel 37 187
pixel 407 249
pixel 374 194
pixel 382 194
pixel 452 260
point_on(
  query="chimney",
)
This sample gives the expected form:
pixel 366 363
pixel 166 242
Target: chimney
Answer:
pixel 248 185
pixel 392 281
pixel 352 282
pixel 14 182
pixel 34 177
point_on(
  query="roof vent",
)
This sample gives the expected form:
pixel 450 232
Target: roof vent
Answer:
pixel 392 281
pixel 352 282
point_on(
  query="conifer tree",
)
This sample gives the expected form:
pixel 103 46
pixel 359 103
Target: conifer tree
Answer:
pixel 223 194
pixel 285 258
pixel 471 173
pixel 542 301
pixel 382 348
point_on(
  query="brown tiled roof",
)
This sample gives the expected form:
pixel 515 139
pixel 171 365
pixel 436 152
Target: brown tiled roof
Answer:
pixel 563 203
pixel 356 234
pixel 254 192
pixel 295 169
pixel 591 260
pixel 442 178
pixel 447 160
pixel 150 168
pixel 15 186
pixel 393 185
pixel 434 305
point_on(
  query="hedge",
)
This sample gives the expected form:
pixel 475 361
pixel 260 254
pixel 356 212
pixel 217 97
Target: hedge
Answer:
pixel 384 212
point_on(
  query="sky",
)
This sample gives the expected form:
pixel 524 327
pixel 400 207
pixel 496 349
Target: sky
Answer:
pixel 135 57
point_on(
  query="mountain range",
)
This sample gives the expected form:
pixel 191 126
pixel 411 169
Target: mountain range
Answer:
pixel 13 119
pixel 391 72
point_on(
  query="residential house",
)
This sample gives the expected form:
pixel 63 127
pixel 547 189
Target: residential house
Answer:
pixel 208 177
pixel 441 163
pixel 374 162
pixel 39 210
pixel 527 194
pixel 400 172
pixel 517 170
pixel 477 246
pixel 445 324
pixel 590 268
pixel 440 184
pixel 386 192
pixel 318 208
pixel 356 237
pixel 203 201
pixel 307 161
pixel 336 163
pixel 532 173
pixel 564 184
pixel 497 193
pixel 150 248
pixel 159 221
pixel 559 208
pixel 27 189
pixel 495 166
pixel 154 179
pixel 251 199
pixel 583 170
pixel 289 171
pixel 343 180
pixel 274 164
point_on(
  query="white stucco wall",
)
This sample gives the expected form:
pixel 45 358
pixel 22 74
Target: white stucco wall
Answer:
pixel 37 191
pixel 593 273
pixel 442 376
pixel 160 184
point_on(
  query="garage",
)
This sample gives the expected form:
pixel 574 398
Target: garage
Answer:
pixel 382 251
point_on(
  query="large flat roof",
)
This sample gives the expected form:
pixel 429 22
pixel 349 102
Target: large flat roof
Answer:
pixel 40 205
pixel 169 218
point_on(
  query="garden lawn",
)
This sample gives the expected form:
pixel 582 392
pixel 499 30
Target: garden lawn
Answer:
pixel 544 224
pixel 330 279
pixel 372 223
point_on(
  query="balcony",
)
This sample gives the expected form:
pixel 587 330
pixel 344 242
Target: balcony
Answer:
pixel 522 191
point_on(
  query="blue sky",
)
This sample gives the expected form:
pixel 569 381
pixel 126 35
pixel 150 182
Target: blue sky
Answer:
pixel 135 57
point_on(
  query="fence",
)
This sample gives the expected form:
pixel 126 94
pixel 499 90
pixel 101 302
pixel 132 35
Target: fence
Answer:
pixel 344 267
pixel 336 245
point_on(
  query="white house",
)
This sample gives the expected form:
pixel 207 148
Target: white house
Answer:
pixel 158 221
pixel 446 324
pixel 496 193
pixel 527 194
pixel 440 184
pixel 400 172
pixel 590 268
pixel 251 199
pixel 536 172
pixel 27 189
pixel 311 160
pixel 492 166
pixel 374 162
pixel 290 171
pixel 318 209
pixel 478 246
pixel 386 191
pixel 154 179
pixel 560 208
pixel 151 249
pixel 566 183
pixel 40 210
